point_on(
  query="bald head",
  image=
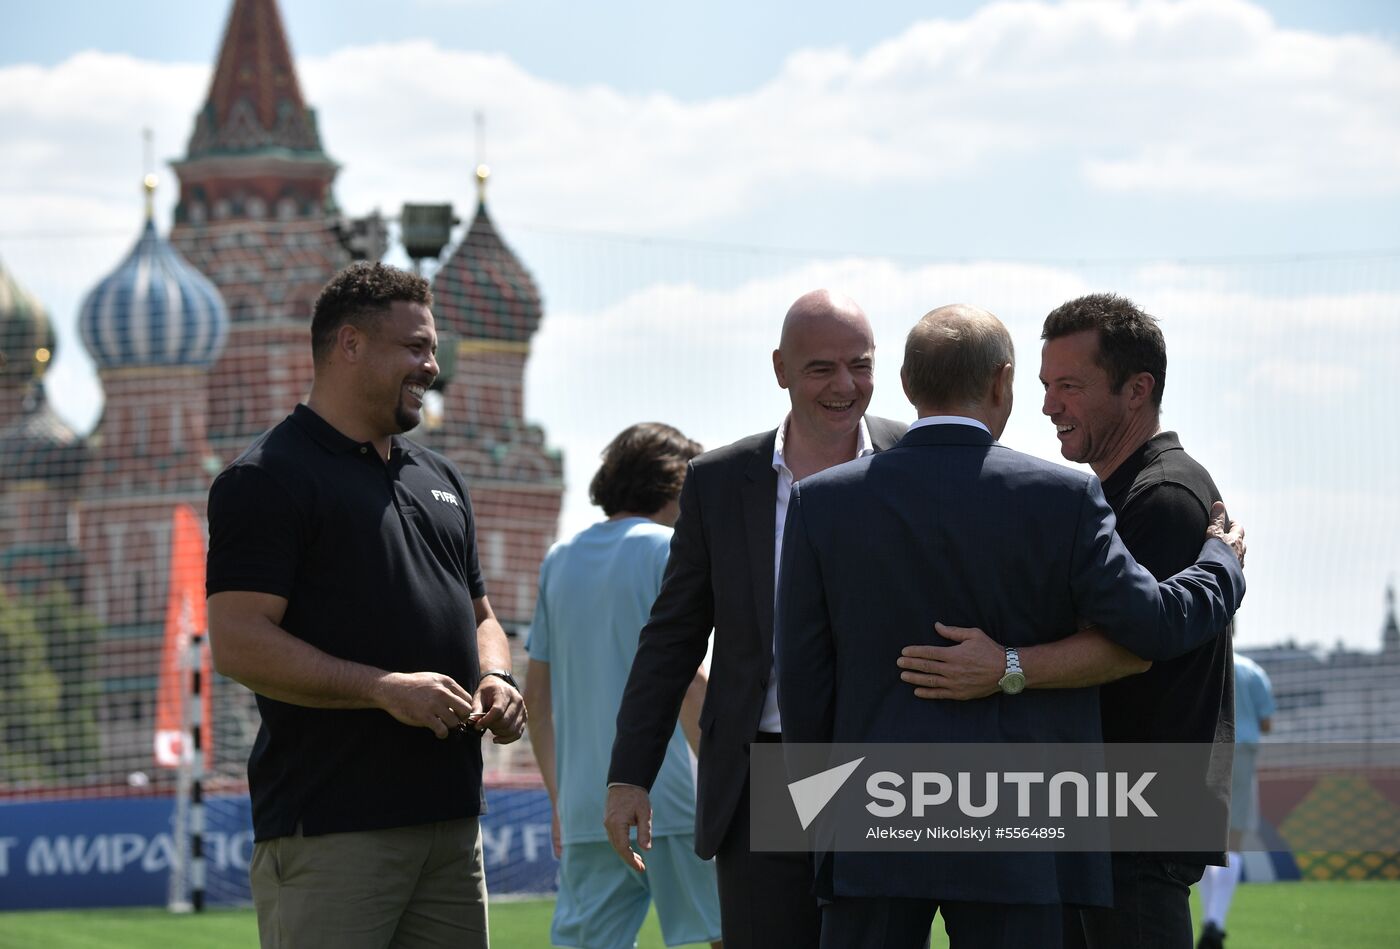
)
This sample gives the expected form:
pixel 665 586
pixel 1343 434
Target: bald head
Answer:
pixel 819 309
pixel 953 356
pixel 826 361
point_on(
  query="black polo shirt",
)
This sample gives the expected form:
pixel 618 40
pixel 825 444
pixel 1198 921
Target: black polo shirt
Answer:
pixel 1162 499
pixel 377 562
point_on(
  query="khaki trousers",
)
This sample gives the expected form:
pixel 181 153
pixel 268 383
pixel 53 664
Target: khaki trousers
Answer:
pixel 420 887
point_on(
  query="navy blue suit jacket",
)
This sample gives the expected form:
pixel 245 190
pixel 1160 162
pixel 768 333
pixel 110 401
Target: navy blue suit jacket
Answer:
pixel 950 526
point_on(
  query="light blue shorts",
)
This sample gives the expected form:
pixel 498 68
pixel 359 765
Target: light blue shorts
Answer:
pixel 603 902
pixel 1244 789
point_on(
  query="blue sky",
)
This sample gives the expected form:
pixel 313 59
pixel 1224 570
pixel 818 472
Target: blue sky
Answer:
pixel 676 174
pixel 688 50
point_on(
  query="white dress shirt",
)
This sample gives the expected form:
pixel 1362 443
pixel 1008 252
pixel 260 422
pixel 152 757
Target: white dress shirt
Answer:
pixel 949 420
pixel 770 721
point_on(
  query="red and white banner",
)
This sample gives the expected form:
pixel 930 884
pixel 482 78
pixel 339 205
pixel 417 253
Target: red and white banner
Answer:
pixel 184 617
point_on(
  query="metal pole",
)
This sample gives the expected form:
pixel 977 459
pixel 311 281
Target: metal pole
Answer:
pixel 195 717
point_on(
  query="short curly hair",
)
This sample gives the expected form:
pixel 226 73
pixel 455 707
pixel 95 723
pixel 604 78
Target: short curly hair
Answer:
pixel 1130 341
pixel 362 291
pixel 643 469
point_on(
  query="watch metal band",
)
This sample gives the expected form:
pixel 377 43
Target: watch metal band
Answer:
pixel 1013 659
pixel 502 674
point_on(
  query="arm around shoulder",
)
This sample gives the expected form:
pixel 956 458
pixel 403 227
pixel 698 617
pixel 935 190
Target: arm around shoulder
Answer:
pixel 1152 620
pixel 973 666
pixel 1085 658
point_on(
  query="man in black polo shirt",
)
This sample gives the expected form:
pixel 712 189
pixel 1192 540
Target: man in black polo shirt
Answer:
pixel 1104 366
pixel 344 590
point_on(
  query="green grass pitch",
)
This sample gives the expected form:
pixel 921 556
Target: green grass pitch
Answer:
pixel 1358 915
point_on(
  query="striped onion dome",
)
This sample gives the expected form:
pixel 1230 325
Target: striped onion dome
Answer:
pixel 26 332
pixel 153 310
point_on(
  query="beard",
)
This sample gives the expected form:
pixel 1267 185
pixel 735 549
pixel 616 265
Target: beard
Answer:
pixel 405 418
pixel 408 417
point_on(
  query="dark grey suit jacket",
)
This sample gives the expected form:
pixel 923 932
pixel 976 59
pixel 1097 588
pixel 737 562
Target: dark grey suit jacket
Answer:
pixel 720 577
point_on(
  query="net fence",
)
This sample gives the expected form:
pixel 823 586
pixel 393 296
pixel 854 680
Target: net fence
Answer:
pixel 1282 382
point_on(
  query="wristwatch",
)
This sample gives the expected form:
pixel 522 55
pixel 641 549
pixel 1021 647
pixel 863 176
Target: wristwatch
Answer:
pixel 510 679
pixel 1014 680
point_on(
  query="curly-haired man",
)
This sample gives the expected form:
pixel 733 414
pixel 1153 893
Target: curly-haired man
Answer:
pixel 344 589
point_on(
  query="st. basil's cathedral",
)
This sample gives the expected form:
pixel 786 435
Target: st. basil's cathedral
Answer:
pixel 201 342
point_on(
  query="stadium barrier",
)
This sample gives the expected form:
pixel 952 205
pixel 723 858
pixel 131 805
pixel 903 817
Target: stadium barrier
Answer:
pixel 85 853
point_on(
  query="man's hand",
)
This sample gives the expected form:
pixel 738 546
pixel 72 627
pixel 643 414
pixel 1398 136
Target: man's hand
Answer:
pixel 425 699
pixel 1232 532
pixel 499 707
pixel 556 836
pixel 970 669
pixel 627 807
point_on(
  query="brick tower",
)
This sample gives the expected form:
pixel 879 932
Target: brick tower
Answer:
pixel 257 216
pixel 487 309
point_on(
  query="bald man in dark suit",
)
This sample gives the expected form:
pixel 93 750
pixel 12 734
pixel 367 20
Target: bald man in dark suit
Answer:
pixel 722 575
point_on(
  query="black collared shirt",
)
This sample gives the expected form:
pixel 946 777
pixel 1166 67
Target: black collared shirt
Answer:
pixel 377 561
pixel 1162 498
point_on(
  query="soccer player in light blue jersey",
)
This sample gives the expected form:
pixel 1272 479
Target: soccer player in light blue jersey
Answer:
pixel 596 591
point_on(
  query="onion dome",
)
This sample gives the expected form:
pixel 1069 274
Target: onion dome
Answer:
pixel 26 333
pixel 154 309
pixel 483 291
pixel 39 446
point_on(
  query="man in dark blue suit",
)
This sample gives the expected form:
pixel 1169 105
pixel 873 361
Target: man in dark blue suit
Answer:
pixel 951 526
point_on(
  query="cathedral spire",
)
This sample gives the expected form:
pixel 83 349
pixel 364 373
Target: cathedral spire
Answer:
pixel 1390 632
pixel 483 171
pixel 255 152
pixel 149 182
pixel 255 102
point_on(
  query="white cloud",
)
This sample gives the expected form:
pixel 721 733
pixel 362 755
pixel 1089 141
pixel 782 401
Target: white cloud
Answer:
pixel 1319 561
pixel 1273 412
pixel 698 357
pixel 1199 97
pixel 74 155
pixel 1196 97
pixel 1307 379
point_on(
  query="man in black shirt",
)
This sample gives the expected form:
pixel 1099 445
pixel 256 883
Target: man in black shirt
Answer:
pixel 344 590
pixel 1103 366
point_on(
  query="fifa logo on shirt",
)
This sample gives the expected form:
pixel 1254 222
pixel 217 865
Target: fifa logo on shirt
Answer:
pixel 446 497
